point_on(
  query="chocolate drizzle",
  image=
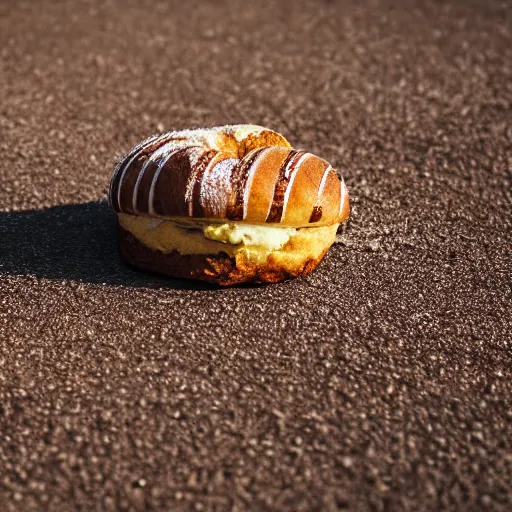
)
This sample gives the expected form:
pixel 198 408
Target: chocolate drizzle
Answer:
pixel 239 179
pixel 118 171
pixel 285 173
pixel 316 214
pixel 194 185
pixel 170 184
pixel 129 162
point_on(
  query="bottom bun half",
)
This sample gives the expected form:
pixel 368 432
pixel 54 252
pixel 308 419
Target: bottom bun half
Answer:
pixel 231 265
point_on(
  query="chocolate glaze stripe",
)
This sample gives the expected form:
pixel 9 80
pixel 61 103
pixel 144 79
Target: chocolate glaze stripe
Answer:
pixel 289 186
pixel 123 174
pixel 115 177
pixel 239 177
pixel 160 152
pixel 161 165
pixel 293 164
pixel 216 177
pixel 129 155
pixel 316 214
pixel 204 162
pixel 136 154
pixel 202 182
pixel 276 210
pixel 115 183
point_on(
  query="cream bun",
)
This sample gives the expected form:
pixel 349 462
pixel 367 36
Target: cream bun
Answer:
pixel 228 205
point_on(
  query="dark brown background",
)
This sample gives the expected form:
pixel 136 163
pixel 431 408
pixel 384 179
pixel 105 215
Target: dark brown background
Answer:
pixel 381 382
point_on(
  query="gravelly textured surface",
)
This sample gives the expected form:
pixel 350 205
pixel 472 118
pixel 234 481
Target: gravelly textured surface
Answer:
pixel 381 382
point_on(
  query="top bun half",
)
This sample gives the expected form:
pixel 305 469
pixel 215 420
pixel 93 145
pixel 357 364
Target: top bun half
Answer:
pixel 242 173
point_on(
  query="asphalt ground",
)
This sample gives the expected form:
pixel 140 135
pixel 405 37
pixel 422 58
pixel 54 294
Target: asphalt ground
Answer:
pixel 380 382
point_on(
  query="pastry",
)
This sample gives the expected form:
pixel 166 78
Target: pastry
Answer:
pixel 228 205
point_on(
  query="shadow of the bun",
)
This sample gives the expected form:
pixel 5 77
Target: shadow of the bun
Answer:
pixel 77 242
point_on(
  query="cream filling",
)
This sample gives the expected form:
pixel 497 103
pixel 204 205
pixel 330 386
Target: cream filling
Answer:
pixel 235 233
pixel 255 242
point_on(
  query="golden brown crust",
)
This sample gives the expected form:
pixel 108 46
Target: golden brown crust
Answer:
pixel 260 189
pixel 219 268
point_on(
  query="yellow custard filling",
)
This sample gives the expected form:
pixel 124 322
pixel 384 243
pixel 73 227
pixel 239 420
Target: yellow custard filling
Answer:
pixel 236 233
